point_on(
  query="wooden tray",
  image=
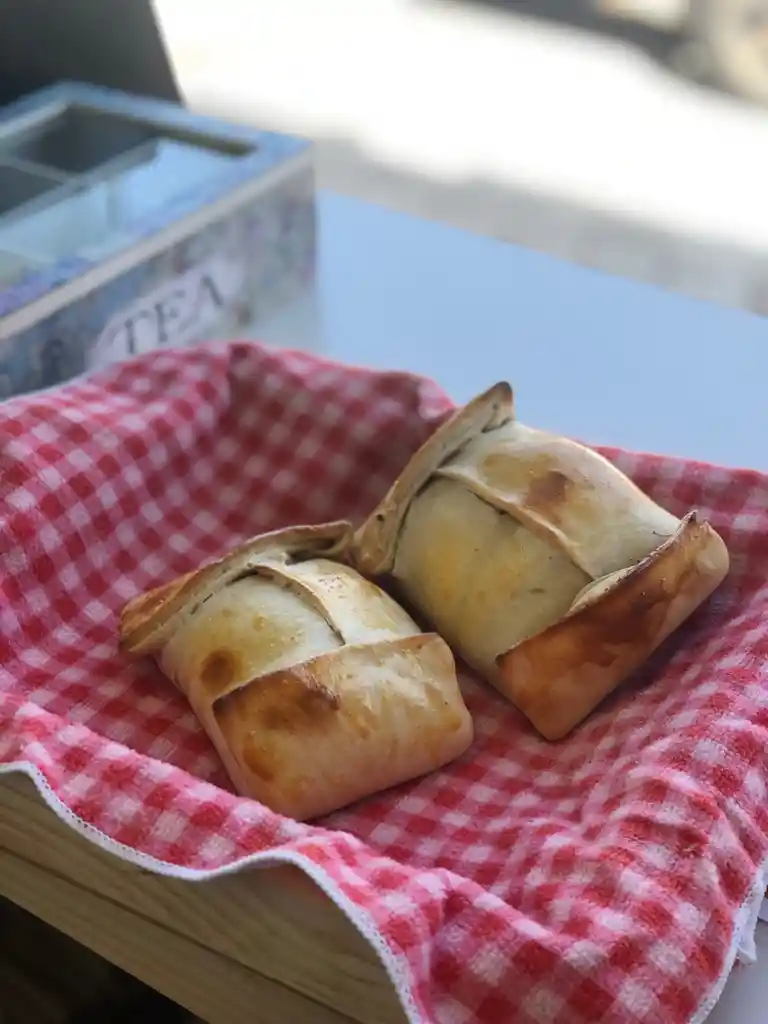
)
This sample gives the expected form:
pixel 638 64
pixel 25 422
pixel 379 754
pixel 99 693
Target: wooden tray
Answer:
pixel 264 938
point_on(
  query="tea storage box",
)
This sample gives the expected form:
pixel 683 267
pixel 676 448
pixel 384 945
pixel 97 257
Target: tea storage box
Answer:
pixel 128 224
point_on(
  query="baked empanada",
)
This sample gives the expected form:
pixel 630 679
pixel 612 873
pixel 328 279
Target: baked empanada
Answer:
pixel 539 562
pixel 315 686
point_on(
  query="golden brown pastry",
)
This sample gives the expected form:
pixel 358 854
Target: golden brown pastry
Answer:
pixel 316 687
pixel 541 564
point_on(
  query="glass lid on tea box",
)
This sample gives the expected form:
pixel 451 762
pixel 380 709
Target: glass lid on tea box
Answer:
pixel 75 182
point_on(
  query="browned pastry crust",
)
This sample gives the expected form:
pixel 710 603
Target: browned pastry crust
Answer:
pixel 512 541
pixel 147 618
pixel 316 687
pixel 559 675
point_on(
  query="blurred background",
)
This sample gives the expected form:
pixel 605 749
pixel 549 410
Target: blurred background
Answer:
pixel 627 135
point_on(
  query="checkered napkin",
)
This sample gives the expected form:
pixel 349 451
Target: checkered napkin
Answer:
pixel 606 878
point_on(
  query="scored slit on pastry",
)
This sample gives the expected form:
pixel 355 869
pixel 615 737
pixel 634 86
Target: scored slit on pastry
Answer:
pixel 314 685
pixel 516 543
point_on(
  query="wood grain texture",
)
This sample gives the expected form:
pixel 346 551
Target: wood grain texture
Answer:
pixel 204 982
pixel 270 927
pixel 48 978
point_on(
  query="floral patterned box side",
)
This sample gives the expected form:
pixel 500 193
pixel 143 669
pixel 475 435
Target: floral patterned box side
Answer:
pixel 134 224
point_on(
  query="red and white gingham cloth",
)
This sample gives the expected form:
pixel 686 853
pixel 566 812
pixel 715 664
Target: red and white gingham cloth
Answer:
pixel 602 880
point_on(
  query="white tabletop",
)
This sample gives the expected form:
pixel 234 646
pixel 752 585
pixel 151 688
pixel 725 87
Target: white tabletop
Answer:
pixel 597 357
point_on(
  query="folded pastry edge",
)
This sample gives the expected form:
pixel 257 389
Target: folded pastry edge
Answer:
pixel 374 543
pixel 148 619
pixel 558 676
